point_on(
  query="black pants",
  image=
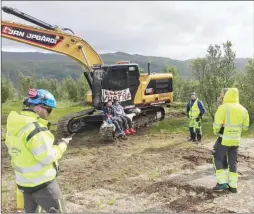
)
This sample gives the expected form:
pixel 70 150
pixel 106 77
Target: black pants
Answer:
pixel 225 156
pixel 48 198
pixel 195 130
pixel 195 135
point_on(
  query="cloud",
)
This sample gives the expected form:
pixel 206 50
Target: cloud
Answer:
pixel 178 30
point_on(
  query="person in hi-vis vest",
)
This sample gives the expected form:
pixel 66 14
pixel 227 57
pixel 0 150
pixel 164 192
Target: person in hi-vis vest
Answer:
pixel 34 156
pixel 195 111
pixel 230 119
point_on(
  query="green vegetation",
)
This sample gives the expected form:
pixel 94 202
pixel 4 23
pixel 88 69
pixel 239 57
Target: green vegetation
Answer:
pixel 246 86
pixel 67 89
pixel 54 66
pixel 215 72
pixel 179 125
pixel 63 77
pixel 112 202
pixel 64 108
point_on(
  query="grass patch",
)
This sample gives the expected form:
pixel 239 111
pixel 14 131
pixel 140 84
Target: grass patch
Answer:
pixel 4 189
pixel 181 126
pixel 112 202
pixel 249 133
pixel 155 175
pixel 176 125
pixel 63 108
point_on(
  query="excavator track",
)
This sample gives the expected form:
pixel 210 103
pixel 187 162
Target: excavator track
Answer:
pixel 148 116
pixel 74 123
pixel 79 122
pixel 145 118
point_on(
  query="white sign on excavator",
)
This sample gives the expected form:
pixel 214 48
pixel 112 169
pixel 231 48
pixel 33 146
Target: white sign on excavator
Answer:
pixel 122 95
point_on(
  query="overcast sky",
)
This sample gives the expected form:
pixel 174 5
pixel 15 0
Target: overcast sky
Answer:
pixel 178 30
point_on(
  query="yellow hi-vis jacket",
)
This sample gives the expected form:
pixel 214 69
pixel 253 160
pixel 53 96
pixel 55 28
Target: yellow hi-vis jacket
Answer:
pixel 194 110
pixel 30 145
pixel 232 117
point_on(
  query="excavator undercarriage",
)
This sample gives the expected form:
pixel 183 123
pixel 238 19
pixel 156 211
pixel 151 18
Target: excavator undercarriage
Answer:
pixel 79 122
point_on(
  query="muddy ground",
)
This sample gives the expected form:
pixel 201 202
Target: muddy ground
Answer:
pixel 146 173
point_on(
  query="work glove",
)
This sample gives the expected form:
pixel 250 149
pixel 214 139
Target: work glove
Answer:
pixel 66 140
pixel 198 118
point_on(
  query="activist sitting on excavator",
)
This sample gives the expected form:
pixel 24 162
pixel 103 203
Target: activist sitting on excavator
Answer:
pixel 126 121
pixel 110 116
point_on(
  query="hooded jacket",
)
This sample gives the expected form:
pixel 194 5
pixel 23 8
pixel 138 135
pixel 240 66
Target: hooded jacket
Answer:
pixel 230 119
pixel 118 110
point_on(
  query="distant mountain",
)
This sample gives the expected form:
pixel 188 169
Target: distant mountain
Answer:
pixel 60 66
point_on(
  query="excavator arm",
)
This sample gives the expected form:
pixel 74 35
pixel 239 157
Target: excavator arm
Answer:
pixel 51 38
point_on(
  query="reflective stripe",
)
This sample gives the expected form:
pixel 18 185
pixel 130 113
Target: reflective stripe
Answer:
pixel 60 206
pixel 32 169
pixel 222 176
pixel 40 150
pixel 194 110
pixel 230 137
pixel 228 114
pixel 228 125
pixel 232 126
pixel 40 209
pixel 245 127
pixel 233 179
pixel 217 125
pixel 50 158
pixel 25 129
pixel 22 180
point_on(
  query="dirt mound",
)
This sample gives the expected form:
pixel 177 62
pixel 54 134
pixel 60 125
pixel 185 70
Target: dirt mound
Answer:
pixel 177 197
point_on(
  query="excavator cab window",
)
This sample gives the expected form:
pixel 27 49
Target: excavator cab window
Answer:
pixel 118 78
pixel 121 77
pixel 133 74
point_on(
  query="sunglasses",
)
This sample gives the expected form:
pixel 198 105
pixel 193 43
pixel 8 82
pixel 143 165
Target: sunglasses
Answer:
pixel 49 110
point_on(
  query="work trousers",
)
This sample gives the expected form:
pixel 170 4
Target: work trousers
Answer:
pixel 48 198
pixel 127 124
pixel 225 163
pixel 195 129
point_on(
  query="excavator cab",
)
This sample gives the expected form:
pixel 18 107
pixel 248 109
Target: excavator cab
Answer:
pixel 120 80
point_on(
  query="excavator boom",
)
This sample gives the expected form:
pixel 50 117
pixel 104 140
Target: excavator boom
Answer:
pixel 51 38
pixel 28 18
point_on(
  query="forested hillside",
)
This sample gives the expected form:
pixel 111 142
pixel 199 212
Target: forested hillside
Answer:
pixel 58 66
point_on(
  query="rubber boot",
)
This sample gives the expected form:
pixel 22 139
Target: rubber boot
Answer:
pixel 220 187
pixel 233 190
pixel 199 137
pixel 194 137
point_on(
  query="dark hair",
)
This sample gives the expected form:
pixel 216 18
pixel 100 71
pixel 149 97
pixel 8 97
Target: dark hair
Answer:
pixel 25 102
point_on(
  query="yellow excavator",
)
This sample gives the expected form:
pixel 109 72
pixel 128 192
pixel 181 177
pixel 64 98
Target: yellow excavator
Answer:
pixel 149 92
